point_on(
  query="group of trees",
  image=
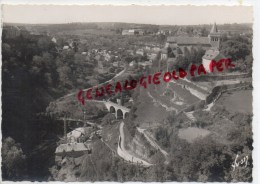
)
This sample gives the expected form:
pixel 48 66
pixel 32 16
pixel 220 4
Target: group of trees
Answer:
pixel 192 56
pixel 29 83
pixel 239 49
pixel 191 31
pixel 13 160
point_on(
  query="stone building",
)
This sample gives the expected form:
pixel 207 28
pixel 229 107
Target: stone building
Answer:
pixel 175 46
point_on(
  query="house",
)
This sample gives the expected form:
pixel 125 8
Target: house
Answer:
pixel 188 42
pixel 115 64
pixel 151 55
pixel 66 47
pixel 107 56
pixel 130 52
pixel 133 32
pixel 54 40
pixel 146 64
pixel 156 49
pixel 128 32
pixel 211 54
pixel 164 54
pixel 139 32
pixel 133 63
pixel 75 135
pixel 140 52
pixel 73 149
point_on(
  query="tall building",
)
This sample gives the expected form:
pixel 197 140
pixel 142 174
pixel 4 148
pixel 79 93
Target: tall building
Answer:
pixel 214 37
pixel 213 53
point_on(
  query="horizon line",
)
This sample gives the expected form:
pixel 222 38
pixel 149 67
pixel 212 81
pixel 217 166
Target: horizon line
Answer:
pixel 126 23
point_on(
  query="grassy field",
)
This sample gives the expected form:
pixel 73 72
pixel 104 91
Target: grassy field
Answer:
pixel 149 113
pixel 183 93
pixel 173 95
pixel 192 133
pixel 238 101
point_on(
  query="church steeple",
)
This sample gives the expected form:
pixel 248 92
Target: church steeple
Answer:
pixel 214 28
pixel 214 37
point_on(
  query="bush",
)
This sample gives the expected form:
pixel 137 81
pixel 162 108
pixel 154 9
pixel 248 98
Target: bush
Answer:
pixel 13 160
pixel 108 119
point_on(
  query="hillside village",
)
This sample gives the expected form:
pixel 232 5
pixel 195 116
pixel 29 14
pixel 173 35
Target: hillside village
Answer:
pixel 138 135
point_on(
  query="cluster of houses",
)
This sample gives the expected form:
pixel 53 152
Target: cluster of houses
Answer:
pixel 177 45
pixel 141 32
pixel 105 59
pixel 149 52
pixel 164 31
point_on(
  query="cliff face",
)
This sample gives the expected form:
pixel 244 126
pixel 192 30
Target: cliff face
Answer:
pixel 67 169
pixel 140 147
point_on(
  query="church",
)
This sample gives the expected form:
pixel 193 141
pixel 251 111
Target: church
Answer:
pixel 211 44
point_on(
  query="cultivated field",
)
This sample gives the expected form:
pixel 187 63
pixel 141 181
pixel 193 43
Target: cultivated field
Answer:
pixel 237 101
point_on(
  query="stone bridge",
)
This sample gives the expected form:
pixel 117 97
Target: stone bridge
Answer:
pixel 120 111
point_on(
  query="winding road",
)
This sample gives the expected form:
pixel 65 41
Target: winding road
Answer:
pixel 121 151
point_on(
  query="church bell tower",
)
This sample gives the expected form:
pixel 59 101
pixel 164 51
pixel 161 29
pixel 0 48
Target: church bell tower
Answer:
pixel 215 37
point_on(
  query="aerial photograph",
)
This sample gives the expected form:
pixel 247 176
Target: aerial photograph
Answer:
pixel 127 93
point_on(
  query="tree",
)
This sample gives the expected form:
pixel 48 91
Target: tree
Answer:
pixel 182 62
pixel 6 50
pixel 186 52
pixel 199 54
pixel 235 50
pixel 45 44
pixel 64 75
pixel 163 137
pixel 192 55
pixel 108 119
pixel 249 62
pixel 170 52
pixel 13 160
pixel 210 157
pixel 204 32
pixel 111 70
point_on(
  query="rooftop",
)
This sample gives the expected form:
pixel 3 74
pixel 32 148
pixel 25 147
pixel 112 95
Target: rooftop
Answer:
pixel 213 54
pixel 189 40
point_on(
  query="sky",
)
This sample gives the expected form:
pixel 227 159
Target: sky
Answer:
pixel 161 15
